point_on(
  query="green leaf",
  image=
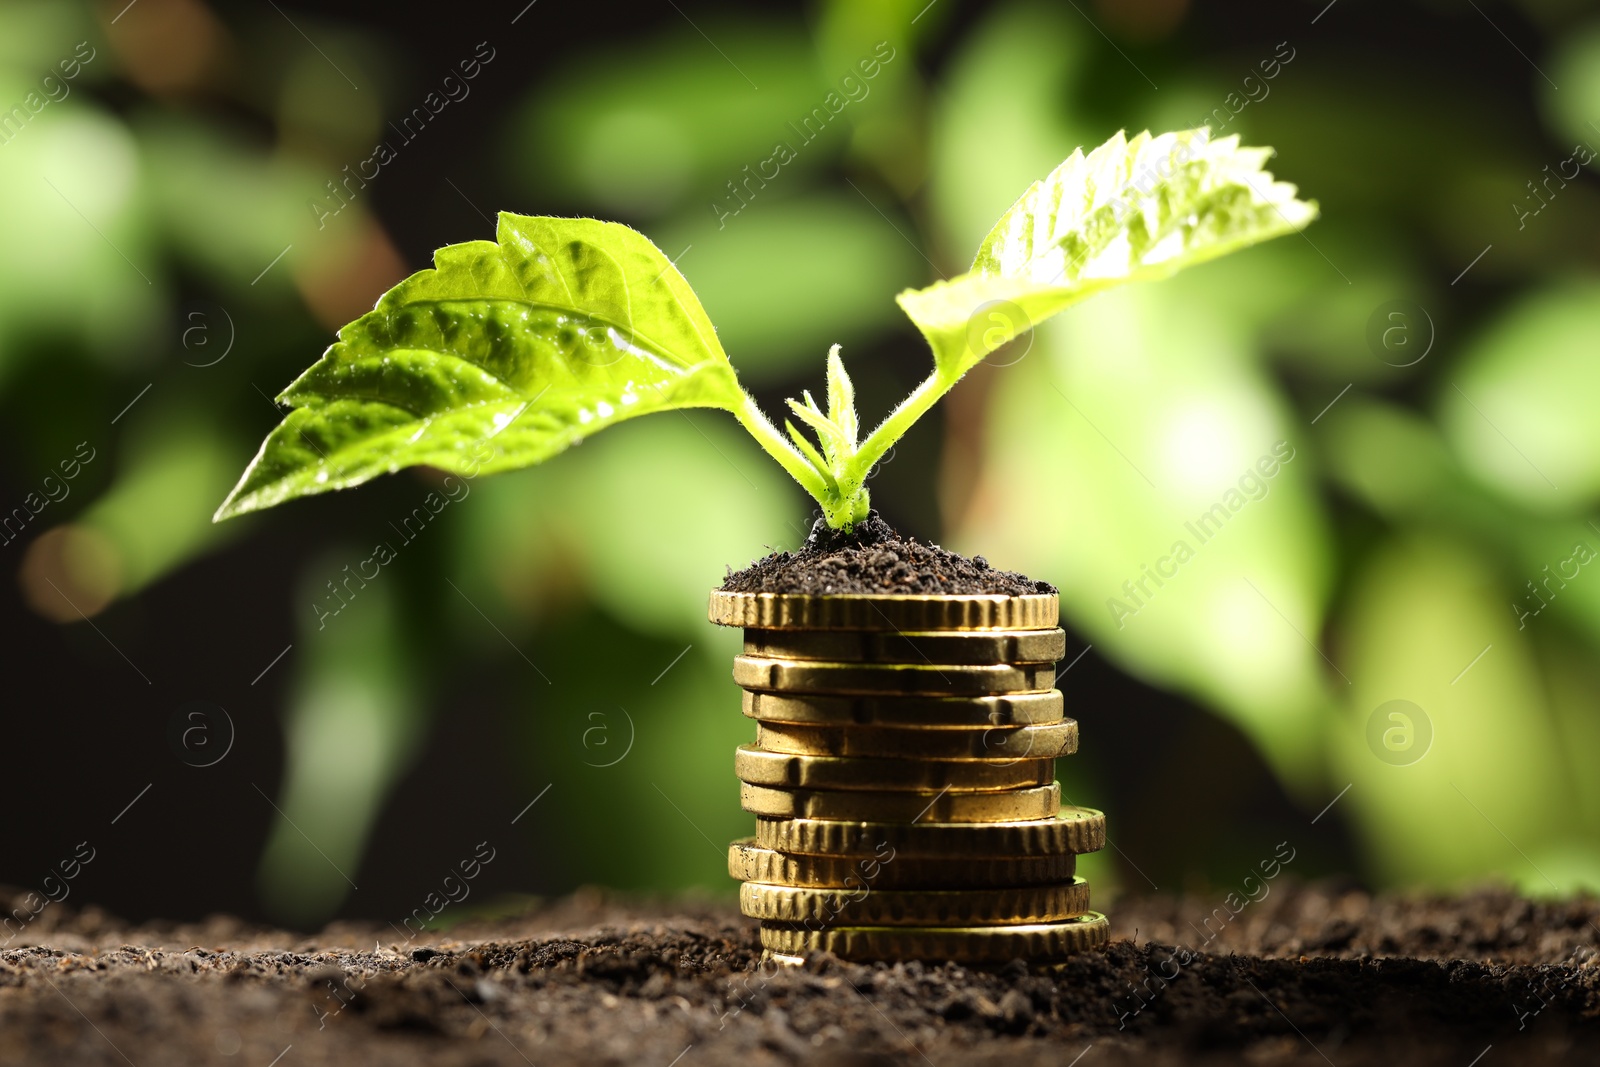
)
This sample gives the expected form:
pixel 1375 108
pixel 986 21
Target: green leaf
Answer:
pixel 831 436
pixel 808 450
pixel 842 398
pixel 1129 210
pixel 503 355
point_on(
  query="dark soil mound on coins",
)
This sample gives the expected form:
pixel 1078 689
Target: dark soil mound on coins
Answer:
pixel 874 558
pixel 1303 977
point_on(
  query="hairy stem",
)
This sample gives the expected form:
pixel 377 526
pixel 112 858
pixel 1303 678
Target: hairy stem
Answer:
pixel 898 421
pixel 752 418
pixel 843 505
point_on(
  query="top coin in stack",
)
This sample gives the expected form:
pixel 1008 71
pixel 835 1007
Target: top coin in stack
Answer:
pixel 791 611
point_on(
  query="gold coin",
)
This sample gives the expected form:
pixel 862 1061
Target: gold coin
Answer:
pixel 884 869
pixel 1039 803
pixel 817 908
pixel 1046 741
pixel 786 675
pixel 973 944
pixel 1073 830
pixel 785 769
pixel 881 646
pixel 1008 709
pixel 788 611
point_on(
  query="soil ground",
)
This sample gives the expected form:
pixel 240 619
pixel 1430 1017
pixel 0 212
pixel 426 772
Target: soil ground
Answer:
pixel 875 558
pixel 1319 974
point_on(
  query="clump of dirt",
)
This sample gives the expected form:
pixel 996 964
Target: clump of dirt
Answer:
pixel 874 558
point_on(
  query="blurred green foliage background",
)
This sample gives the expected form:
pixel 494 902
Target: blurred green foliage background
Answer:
pixel 182 237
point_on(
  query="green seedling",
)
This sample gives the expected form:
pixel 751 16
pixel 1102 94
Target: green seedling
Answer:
pixel 561 327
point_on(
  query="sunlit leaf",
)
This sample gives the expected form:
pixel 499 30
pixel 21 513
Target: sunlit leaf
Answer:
pixel 841 397
pixel 1129 210
pixel 809 450
pixel 1005 100
pixel 831 436
pixel 503 355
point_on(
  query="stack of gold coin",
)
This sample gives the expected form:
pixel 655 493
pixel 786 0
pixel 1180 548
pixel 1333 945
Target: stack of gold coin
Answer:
pixel 903 779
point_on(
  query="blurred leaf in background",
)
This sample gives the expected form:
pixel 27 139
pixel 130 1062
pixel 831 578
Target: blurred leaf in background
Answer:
pixel 353 723
pixel 1519 410
pixel 669 126
pixel 816 251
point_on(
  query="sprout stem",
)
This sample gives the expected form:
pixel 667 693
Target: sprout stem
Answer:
pixel 752 418
pixel 898 421
pixel 843 506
